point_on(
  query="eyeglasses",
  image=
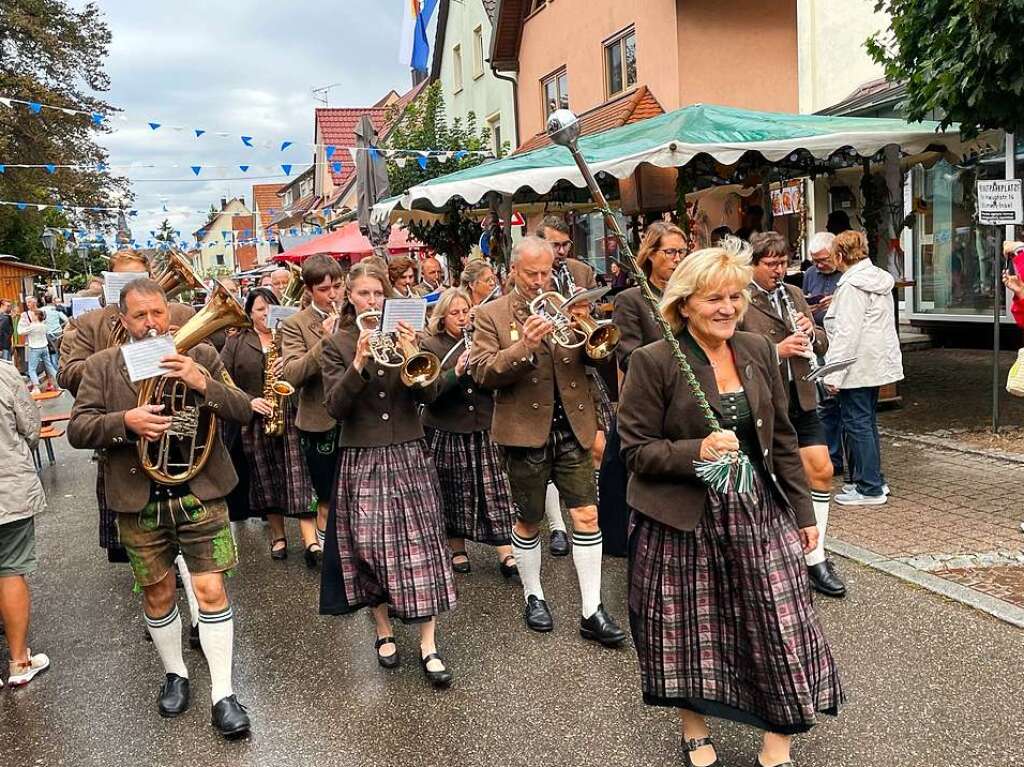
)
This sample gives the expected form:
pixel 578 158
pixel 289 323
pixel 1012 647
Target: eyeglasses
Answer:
pixel 673 252
pixel 560 246
pixel 775 264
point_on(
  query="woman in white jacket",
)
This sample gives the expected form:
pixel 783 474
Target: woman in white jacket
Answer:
pixel 861 324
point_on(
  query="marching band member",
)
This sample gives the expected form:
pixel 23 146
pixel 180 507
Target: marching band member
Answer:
pixel 247 359
pixel 719 603
pixel 402 273
pixel 544 420
pixel 475 493
pixel 780 313
pixel 302 339
pixel 156 521
pixel 386 546
pixel 431 277
pixel 279 281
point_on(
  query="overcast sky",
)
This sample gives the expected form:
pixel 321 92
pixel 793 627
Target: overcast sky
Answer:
pixel 244 66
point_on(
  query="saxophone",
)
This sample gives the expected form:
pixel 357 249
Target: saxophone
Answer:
pixel 274 390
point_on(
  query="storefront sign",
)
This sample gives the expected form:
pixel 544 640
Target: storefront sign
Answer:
pixel 999 202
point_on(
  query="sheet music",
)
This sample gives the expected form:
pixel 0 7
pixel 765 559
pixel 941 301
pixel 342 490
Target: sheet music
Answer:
pixel 278 314
pixel 832 367
pixel 142 358
pixel 411 311
pixel 114 282
pixel 82 304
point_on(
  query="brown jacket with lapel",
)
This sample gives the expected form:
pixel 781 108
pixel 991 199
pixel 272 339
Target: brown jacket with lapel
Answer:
pixel 243 359
pixel 524 383
pixel 462 406
pixel 91 332
pixel 762 319
pixel 97 422
pixel 635 320
pixel 302 339
pixel 661 428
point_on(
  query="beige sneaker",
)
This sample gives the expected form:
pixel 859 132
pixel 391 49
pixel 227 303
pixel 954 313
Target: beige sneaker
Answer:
pixel 23 673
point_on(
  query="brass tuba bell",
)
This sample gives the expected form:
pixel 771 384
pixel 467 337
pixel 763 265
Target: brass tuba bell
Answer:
pixel 178 276
pixel 182 451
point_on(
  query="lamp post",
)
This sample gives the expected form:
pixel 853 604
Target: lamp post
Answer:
pixel 49 238
pixel 83 251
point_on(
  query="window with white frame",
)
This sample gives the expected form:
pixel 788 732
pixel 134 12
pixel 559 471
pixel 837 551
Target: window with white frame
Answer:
pixel 494 123
pixel 620 62
pixel 478 52
pixel 555 90
pixel 457 68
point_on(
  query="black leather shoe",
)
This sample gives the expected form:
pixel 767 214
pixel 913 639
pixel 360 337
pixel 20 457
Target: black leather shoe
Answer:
pixel 559 546
pixel 463 566
pixel 693 744
pixel 314 557
pixel 281 553
pixel 509 571
pixel 600 627
pixel 193 638
pixel 825 581
pixel 538 616
pixel 174 696
pixel 230 717
pixel 387 661
pixel 440 679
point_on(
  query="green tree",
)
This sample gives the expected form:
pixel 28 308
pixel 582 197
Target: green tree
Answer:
pixel 424 125
pixel 960 58
pixel 53 53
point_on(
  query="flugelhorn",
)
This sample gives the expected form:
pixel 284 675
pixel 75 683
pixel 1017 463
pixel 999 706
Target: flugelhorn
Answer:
pixel 182 451
pixel 418 368
pixel 548 306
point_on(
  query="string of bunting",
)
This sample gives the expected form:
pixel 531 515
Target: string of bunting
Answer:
pixel 132 212
pixel 97 118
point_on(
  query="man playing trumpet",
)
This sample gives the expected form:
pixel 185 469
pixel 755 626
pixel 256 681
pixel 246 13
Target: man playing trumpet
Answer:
pixel 155 521
pixel 545 423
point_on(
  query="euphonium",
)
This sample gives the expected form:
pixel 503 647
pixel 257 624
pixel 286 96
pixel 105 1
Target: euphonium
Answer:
pixel 418 368
pixel 182 451
pixel 274 390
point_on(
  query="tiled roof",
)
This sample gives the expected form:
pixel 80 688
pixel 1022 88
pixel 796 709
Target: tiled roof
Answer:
pixel 622 110
pixel 489 6
pixel 265 199
pixel 298 208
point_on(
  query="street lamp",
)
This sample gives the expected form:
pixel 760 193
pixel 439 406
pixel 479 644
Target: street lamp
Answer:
pixel 83 251
pixel 49 238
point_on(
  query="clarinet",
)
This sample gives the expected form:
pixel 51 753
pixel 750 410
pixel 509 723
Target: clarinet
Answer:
pixel 564 281
pixel 812 358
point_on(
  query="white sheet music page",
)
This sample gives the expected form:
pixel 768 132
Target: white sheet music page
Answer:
pixel 82 304
pixel 411 311
pixel 278 314
pixel 142 358
pixel 114 282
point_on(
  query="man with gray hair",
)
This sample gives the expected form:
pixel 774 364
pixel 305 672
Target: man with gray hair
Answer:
pixel 822 278
pixel 545 423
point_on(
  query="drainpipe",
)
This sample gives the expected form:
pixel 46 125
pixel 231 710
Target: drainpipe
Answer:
pixel 515 98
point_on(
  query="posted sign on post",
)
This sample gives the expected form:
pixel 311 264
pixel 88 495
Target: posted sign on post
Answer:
pixel 999 202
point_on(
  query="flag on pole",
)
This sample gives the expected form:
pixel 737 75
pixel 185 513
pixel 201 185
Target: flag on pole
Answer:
pixel 415 49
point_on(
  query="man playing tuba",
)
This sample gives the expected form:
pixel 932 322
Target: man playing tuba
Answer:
pixel 156 520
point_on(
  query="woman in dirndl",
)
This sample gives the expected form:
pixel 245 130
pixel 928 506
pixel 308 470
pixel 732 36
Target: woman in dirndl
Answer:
pixel 475 493
pixel 719 599
pixel 278 487
pixel 386 545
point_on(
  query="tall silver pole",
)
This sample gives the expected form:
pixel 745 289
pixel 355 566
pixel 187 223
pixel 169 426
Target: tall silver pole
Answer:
pixel 998 289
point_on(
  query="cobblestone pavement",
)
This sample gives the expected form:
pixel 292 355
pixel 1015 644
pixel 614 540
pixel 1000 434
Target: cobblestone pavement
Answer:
pixel 1001 582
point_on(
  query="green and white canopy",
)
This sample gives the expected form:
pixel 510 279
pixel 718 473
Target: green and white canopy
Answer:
pixel 673 140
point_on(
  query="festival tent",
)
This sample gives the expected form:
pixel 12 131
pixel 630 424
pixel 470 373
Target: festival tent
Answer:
pixel 349 242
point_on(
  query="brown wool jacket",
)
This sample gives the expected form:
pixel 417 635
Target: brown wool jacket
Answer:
pixel 373 408
pixel 762 319
pixel 661 428
pixel 97 422
pixel 243 359
pixel 461 406
pixel 634 319
pixel 302 339
pixel 524 383
pixel 91 332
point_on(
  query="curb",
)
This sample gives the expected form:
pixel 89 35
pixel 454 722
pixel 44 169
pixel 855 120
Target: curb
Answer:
pixel 997 608
pixel 950 444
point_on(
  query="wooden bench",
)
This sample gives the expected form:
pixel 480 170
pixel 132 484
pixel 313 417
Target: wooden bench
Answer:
pixel 46 436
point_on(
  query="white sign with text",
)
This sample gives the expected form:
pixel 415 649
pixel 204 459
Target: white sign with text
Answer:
pixel 999 202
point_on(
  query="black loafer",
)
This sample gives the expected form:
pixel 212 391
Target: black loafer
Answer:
pixel 691 745
pixel 281 553
pixel 193 638
pixel 538 616
pixel 600 627
pixel 387 661
pixel 559 546
pixel 230 717
pixel 174 696
pixel 464 567
pixel 825 581
pixel 440 679
pixel 509 571
pixel 313 557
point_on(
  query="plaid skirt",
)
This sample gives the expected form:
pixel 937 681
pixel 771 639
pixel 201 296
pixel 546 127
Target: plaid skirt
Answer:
pixel 722 617
pixel 387 534
pixel 475 493
pixel 301 496
pixel 602 401
pixel 268 486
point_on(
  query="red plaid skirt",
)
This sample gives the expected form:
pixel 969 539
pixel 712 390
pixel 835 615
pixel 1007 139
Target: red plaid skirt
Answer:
pixel 389 533
pixel 301 497
pixel 722 617
pixel 475 493
pixel 268 486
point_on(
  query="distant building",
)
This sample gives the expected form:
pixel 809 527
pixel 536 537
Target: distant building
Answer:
pixel 221 247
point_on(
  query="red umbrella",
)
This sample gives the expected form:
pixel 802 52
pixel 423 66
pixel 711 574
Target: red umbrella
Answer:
pixel 350 243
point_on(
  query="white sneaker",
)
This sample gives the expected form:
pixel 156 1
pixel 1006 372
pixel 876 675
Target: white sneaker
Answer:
pixel 851 488
pixel 856 499
pixel 23 674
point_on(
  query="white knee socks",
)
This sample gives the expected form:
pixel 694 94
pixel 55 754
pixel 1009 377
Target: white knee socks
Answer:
pixel 820 500
pixel 527 553
pixel 190 594
pixel 166 633
pixel 586 555
pixel 553 509
pixel 217 635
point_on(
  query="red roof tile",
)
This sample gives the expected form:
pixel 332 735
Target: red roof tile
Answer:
pixel 621 110
pixel 265 199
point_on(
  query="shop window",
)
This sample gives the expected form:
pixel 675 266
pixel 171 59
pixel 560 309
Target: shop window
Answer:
pixel 620 63
pixel 478 52
pixel 556 92
pixel 457 68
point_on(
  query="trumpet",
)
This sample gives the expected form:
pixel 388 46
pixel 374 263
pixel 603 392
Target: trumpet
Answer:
pixel 389 350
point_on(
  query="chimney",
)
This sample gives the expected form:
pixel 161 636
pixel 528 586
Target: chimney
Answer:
pixel 223 203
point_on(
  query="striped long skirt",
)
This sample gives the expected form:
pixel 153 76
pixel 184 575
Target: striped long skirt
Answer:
pixel 301 496
pixel 722 617
pixel 386 536
pixel 475 493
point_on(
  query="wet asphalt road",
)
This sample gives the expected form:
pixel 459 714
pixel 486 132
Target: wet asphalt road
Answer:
pixel 929 682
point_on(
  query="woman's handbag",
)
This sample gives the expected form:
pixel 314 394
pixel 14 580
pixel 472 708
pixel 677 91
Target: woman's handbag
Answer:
pixel 1015 380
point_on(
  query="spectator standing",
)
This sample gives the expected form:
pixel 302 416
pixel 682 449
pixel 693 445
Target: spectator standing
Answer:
pixel 21 498
pixel 55 322
pixel 6 331
pixel 1014 252
pixel 32 328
